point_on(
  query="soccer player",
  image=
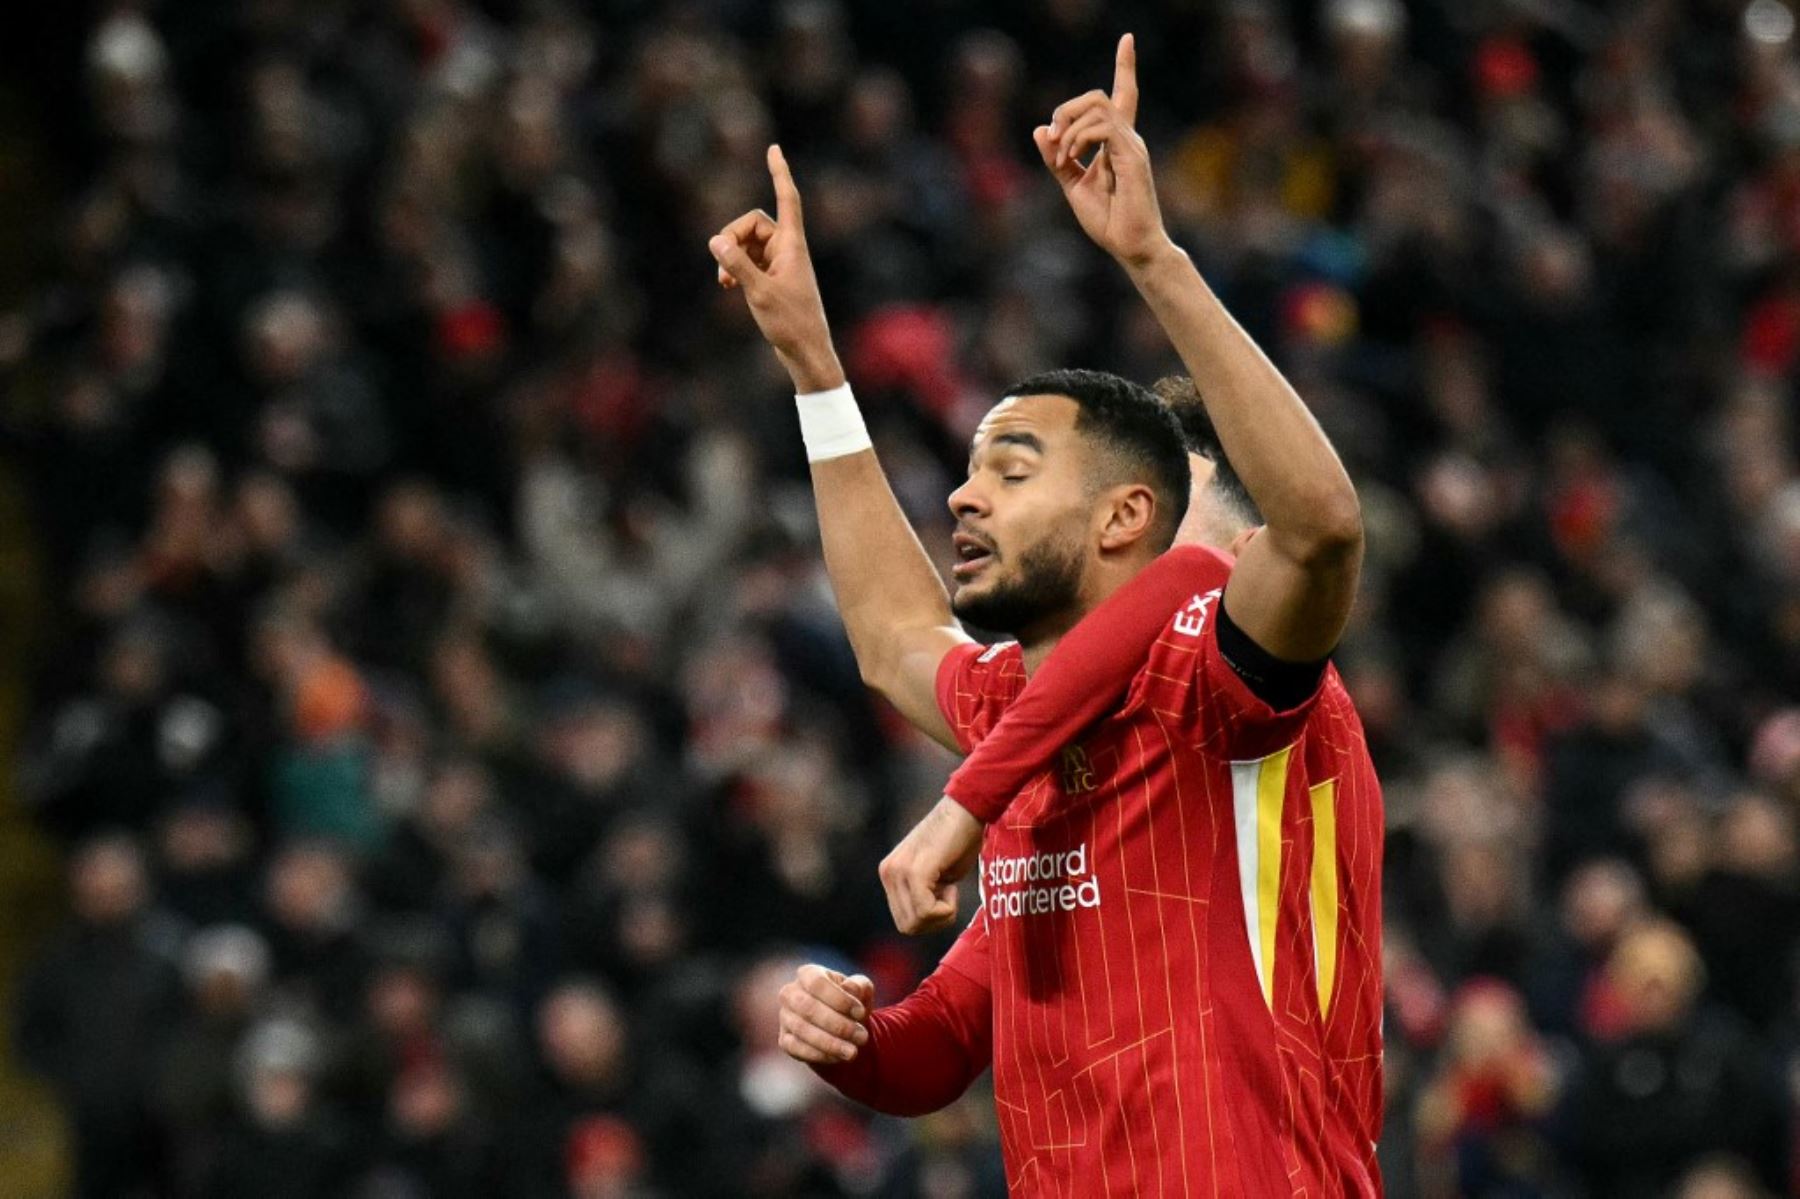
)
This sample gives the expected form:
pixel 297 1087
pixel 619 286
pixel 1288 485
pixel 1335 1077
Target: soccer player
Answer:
pixel 1162 971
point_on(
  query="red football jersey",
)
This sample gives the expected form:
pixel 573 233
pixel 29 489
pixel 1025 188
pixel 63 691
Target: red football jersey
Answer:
pixel 1182 921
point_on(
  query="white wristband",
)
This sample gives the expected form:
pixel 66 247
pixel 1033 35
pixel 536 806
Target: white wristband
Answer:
pixel 831 424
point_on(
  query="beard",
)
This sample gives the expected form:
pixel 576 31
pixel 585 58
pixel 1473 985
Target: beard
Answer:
pixel 1046 583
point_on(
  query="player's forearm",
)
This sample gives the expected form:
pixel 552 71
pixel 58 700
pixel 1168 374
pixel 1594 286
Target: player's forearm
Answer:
pixel 886 586
pixel 813 363
pixel 1277 448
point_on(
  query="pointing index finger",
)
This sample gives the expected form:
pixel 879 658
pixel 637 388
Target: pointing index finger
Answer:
pixel 787 196
pixel 1125 84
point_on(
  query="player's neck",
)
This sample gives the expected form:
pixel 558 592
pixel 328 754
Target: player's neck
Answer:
pixel 1039 641
pixel 1035 645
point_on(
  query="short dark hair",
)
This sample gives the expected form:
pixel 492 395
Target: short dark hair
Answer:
pixel 1135 425
pixel 1182 397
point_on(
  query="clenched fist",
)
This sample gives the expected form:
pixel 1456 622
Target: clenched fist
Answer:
pixel 824 1015
pixel 920 874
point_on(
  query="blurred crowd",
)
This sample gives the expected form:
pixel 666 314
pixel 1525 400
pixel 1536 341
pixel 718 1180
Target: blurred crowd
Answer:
pixel 444 708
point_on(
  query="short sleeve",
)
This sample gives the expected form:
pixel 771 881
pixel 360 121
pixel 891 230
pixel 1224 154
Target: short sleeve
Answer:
pixel 975 683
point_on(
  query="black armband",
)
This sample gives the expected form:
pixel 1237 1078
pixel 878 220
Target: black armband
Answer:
pixel 1281 685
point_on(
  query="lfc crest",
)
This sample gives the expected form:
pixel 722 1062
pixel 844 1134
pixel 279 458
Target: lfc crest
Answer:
pixel 1077 774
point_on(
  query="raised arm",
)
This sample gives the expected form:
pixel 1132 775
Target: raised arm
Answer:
pixel 893 603
pixel 1293 587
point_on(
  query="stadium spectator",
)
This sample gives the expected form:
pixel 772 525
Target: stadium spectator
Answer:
pixel 91 1013
pixel 1675 1079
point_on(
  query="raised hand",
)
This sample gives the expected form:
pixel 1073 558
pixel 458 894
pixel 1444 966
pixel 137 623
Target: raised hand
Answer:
pixel 766 257
pixel 1114 195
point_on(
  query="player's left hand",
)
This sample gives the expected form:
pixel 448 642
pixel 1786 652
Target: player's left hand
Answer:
pixel 1114 195
pixel 921 873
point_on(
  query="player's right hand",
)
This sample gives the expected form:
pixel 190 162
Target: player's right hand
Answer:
pixel 766 257
pixel 1114 195
pixel 824 1015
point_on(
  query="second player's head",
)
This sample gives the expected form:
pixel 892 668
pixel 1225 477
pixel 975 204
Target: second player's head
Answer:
pixel 1220 511
pixel 1073 476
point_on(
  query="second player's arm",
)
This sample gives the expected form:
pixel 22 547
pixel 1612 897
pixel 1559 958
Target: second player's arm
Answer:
pixel 1295 582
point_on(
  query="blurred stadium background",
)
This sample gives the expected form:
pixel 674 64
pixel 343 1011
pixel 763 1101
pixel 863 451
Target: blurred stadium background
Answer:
pixel 431 741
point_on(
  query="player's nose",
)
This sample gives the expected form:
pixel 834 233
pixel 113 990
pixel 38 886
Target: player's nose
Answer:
pixel 969 500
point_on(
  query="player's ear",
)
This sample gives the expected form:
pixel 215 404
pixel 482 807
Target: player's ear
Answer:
pixel 1127 515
